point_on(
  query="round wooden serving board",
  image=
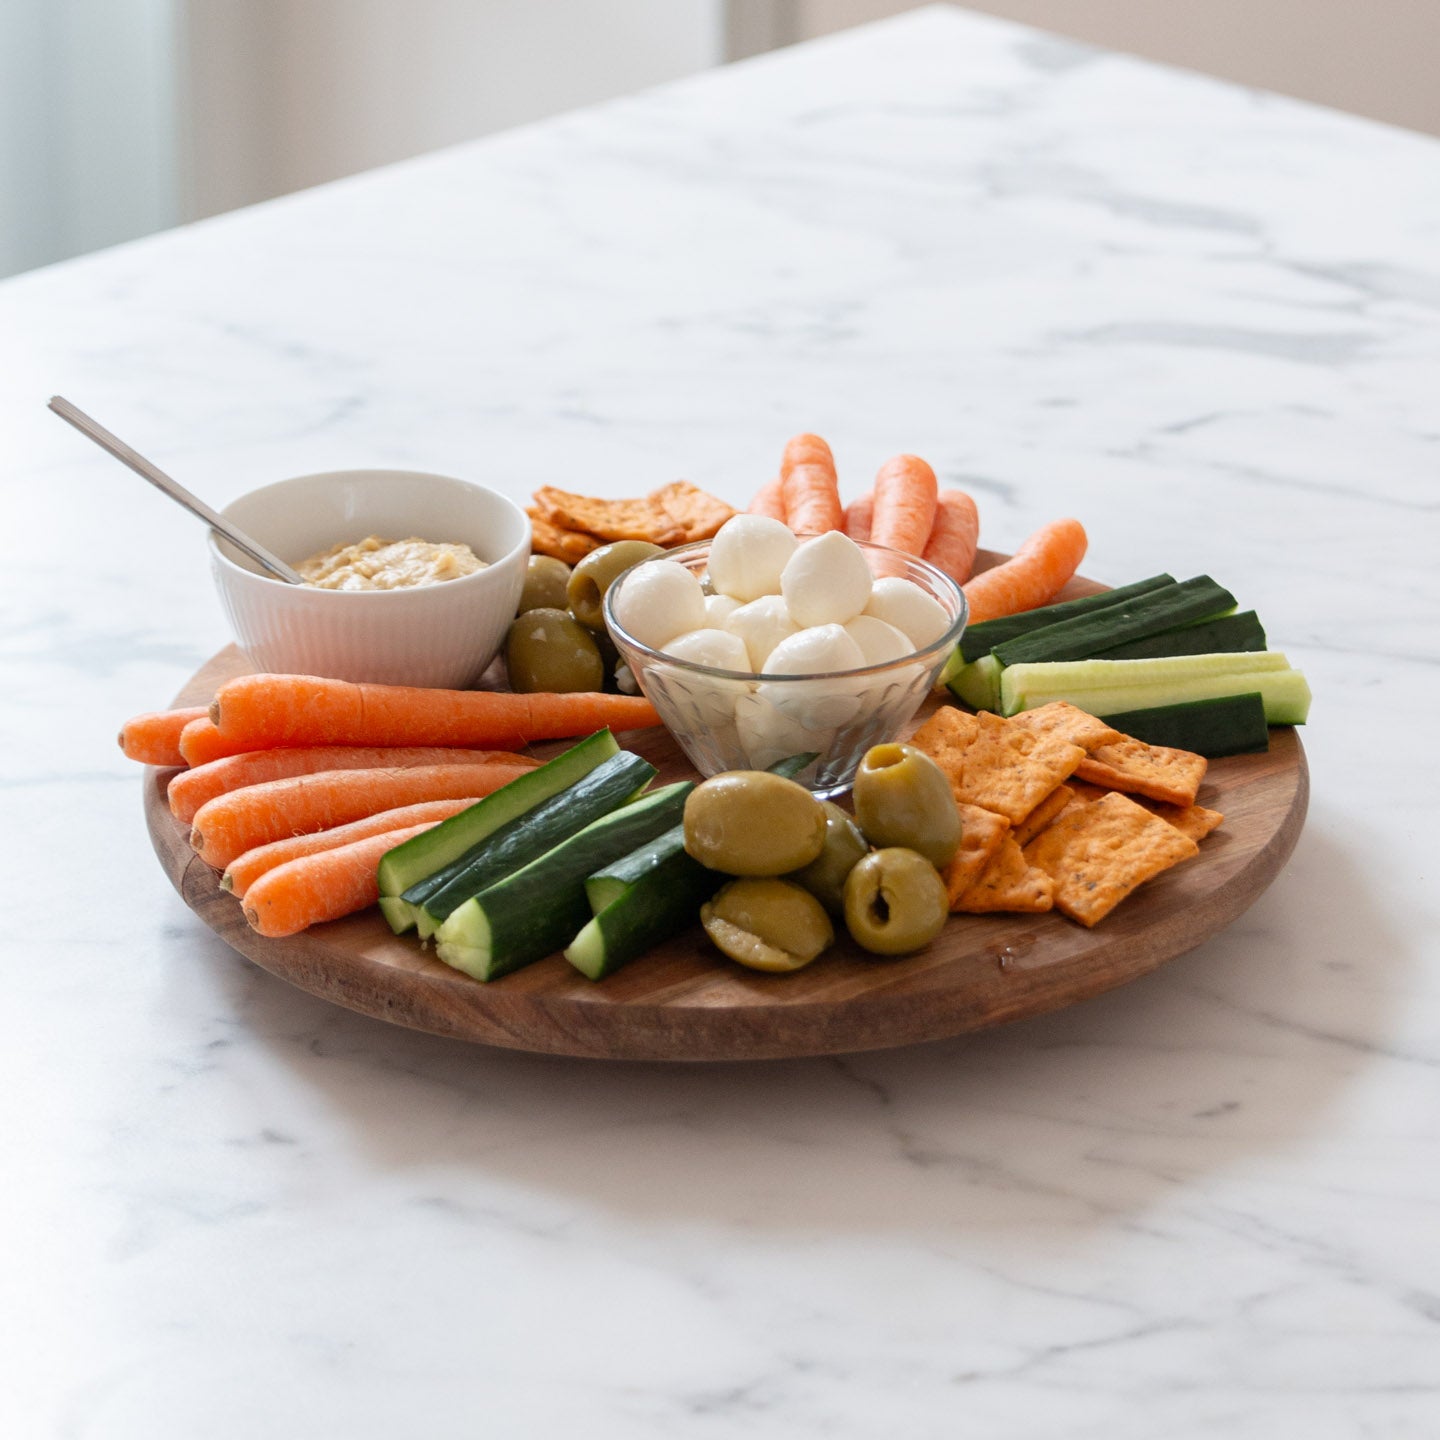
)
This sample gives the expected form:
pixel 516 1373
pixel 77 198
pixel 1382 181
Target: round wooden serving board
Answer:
pixel 684 1001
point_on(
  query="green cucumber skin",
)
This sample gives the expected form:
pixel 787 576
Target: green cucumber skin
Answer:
pixel 609 785
pixel 1149 614
pixel 538 909
pixel 657 904
pixel 1229 633
pixel 408 864
pixel 980 639
pixel 1226 725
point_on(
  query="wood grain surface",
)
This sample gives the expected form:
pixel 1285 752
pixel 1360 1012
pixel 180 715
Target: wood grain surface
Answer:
pixel 683 1001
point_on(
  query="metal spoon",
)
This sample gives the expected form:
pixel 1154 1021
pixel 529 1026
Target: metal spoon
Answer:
pixel 177 492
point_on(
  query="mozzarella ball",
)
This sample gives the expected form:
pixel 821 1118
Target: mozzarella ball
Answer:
pixel 879 643
pixel 768 735
pixel 747 555
pixel 761 625
pixel 716 648
pixel 826 581
pixel 820 650
pixel 903 604
pixel 718 609
pixel 657 601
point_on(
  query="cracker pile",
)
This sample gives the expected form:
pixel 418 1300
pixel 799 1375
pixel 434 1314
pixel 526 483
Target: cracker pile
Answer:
pixel 570 526
pixel 1060 811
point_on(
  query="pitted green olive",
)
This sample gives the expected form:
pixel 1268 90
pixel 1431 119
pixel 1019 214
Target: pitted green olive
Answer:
pixel 767 924
pixel 824 877
pixel 895 902
pixel 903 798
pixel 750 822
pixel 547 650
pixel 591 578
pixel 545 582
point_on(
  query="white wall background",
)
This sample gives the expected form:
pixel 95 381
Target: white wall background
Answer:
pixel 119 117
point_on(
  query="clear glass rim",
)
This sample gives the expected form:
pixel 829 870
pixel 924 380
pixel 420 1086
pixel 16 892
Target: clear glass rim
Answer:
pixel 934 650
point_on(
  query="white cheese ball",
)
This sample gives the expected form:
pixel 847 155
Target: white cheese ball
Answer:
pixel 761 625
pixel 820 650
pixel 658 601
pixel 747 555
pixel 718 609
pixel 716 648
pixel 826 581
pixel 903 604
pixel 768 735
pixel 879 643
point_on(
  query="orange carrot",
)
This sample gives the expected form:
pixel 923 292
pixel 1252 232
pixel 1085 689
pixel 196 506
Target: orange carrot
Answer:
pixel 189 791
pixel 201 742
pixel 243 871
pixel 1032 576
pixel 154 738
pixel 954 536
pixel 770 500
pixel 859 516
pixel 265 711
pixel 321 887
pixel 905 491
pixel 812 493
pixel 231 824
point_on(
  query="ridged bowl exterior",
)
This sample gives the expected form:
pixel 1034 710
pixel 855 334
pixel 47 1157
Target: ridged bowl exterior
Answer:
pixel 440 635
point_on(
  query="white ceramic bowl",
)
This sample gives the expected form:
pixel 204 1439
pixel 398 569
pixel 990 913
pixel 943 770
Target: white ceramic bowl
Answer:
pixel 441 635
pixel 738 720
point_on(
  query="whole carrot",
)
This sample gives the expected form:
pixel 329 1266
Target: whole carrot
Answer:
pixel 859 516
pixel 260 712
pixel 201 742
pixel 243 871
pixel 905 491
pixel 770 500
pixel 812 492
pixel 187 792
pixel 954 536
pixel 231 824
pixel 1033 576
pixel 154 738
pixel 325 886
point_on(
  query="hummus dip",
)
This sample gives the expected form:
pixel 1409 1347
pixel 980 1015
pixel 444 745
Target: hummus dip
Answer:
pixel 376 564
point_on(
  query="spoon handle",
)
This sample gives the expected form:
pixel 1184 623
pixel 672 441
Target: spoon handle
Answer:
pixel 177 492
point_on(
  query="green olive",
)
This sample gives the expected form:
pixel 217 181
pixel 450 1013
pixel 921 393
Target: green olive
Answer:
pixel 547 650
pixel 767 924
pixel 903 798
pixel 824 877
pixel 545 582
pixel 750 822
pixel 591 578
pixel 895 901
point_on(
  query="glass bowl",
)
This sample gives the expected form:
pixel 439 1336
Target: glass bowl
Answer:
pixel 736 720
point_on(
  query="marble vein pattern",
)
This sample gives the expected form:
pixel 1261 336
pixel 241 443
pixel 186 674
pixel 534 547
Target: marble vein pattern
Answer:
pixel 1207 322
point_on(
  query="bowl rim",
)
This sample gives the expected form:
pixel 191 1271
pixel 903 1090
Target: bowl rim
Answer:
pixel 448 587
pixel 926 654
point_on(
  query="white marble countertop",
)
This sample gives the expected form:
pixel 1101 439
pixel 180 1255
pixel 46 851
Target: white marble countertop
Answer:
pixel 1205 321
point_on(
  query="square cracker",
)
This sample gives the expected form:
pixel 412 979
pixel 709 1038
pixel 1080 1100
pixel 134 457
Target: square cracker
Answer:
pixel 981 835
pixel 1043 814
pixel 1070 723
pixel 1140 769
pixel 1097 854
pixel 699 514
pixel 609 520
pixel 945 737
pixel 1192 820
pixel 549 539
pixel 1010 770
pixel 1009 883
